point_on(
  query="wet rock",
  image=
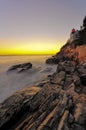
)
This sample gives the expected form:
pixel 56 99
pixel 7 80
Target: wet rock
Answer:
pixel 14 67
pixel 20 67
pixel 48 69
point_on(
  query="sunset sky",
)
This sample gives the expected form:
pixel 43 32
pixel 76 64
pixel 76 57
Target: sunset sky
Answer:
pixel 38 26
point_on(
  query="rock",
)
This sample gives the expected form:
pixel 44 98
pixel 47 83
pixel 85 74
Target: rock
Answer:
pixel 52 60
pixel 83 79
pixel 60 67
pixel 63 120
pixel 49 107
pixel 43 108
pixel 58 78
pixel 70 119
pixel 42 83
pixel 16 105
pixel 48 69
pixel 76 80
pixel 82 73
pixel 77 127
pixel 67 66
pixel 78 89
pixel 80 114
pixel 20 67
pixel 14 67
pixel 68 81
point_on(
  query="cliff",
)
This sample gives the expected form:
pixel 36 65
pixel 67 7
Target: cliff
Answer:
pixel 73 50
pixel 58 102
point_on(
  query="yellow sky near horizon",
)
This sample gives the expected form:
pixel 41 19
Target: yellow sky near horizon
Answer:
pixel 13 47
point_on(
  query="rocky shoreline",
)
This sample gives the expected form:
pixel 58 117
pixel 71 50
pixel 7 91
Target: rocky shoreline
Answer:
pixel 57 103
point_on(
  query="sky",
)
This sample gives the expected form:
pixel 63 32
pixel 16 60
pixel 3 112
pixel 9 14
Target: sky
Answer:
pixel 38 26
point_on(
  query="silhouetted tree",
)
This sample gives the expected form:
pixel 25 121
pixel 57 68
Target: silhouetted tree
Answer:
pixel 84 22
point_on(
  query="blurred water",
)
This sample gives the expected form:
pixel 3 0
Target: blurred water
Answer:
pixel 13 81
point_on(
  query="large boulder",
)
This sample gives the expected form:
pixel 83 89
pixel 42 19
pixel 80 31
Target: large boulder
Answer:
pixel 52 60
pixel 67 66
pixel 20 67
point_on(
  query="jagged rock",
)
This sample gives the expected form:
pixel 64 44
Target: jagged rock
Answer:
pixel 68 81
pixel 70 118
pixel 43 82
pixel 67 66
pixel 52 60
pixel 16 105
pixel 77 127
pixel 63 121
pixel 58 78
pixel 80 114
pixel 83 79
pixel 41 112
pixel 82 73
pixel 60 67
pixel 78 89
pixel 76 80
pixel 20 67
pixel 46 108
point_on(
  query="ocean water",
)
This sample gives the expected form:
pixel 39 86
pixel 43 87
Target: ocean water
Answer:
pixel 10 82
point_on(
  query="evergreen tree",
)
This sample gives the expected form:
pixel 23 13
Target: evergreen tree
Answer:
pixel 84 22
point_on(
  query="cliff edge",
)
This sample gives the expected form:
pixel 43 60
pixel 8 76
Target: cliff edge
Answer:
pixel 74 49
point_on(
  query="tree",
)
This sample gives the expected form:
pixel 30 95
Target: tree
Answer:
pixel 84 22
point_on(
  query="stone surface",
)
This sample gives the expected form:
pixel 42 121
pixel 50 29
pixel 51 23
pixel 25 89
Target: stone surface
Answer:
pixel 20 67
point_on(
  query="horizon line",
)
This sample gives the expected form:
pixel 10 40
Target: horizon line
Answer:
pixel 25 54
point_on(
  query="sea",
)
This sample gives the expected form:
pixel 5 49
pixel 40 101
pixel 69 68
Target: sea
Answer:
pixel 11 82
